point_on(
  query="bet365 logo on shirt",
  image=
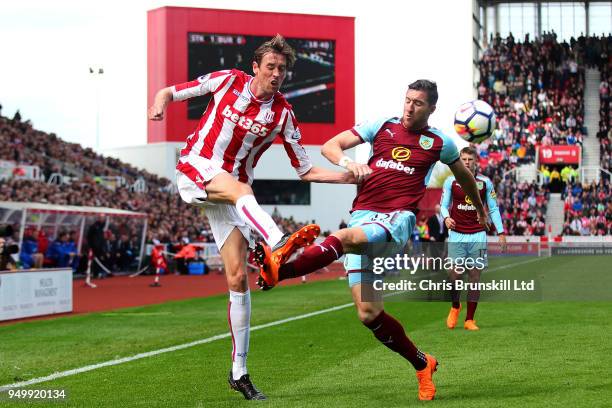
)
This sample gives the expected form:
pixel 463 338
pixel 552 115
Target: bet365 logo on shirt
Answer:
pixel 244 122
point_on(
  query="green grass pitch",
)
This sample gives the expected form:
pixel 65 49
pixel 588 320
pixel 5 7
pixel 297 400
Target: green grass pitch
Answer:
pixel 547 353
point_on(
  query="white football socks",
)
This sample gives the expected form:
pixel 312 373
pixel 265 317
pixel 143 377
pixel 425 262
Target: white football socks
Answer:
pixel 239 317
pixel 259 220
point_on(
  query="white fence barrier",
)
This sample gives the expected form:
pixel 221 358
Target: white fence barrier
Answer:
pixel 35 292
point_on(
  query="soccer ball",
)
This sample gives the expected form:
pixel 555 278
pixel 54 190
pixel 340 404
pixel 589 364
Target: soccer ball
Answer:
pixel 475 121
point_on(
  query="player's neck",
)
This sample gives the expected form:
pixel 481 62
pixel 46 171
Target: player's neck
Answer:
pixel 258 92
pixel 415 128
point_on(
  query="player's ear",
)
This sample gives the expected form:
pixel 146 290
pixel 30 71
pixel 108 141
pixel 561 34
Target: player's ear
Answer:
pixel 432 109
pixel 255 68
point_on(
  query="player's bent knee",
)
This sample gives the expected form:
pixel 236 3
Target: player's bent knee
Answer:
pixel 367 314
pixel 237 280
pixel 236 274
pixel 351 238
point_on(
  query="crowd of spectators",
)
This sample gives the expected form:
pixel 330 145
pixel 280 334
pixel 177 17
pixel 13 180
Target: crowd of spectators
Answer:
pixel 170 220
pixel 21 143
pixel 522 205
pixel 536 88
pixel 604 48
pixel 588 208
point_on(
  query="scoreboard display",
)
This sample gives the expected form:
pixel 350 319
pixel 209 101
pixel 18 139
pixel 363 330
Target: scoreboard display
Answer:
pixel 309 86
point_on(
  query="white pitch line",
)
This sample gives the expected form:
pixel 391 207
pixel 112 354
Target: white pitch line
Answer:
pixel 80 370
pixel 109 363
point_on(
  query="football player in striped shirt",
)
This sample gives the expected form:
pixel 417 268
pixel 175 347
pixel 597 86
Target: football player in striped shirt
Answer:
pixel 244 116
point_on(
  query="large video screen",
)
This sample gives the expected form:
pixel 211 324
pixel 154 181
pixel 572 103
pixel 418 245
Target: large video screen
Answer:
pixel 309 86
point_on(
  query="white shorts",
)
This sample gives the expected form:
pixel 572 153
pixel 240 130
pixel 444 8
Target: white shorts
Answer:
pixel 192 175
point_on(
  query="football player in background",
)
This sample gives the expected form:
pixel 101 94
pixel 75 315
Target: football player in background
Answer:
pixel 467 237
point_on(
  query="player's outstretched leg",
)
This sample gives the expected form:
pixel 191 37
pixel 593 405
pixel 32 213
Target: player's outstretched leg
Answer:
pixel 225 189
pixel 347 240
pixel 391 334
pixel 271 259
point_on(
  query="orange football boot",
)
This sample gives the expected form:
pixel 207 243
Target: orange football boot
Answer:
pixel 271 259
pixel 427 389
pixel 453 315
pixel 470 325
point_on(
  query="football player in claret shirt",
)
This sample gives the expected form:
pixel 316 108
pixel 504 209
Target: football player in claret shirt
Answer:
pixel 467 238
pixel 404 152
pixel 244 116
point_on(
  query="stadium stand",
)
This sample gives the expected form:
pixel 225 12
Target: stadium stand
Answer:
pixel 536 88
pixel 84 181
pixel 588 208
pixel 521 204
pixel 605 97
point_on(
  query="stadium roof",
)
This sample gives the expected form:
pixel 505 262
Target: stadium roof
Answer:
pixel 69 209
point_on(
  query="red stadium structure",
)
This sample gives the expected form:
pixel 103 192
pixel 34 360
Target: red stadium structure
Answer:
pixel 168 30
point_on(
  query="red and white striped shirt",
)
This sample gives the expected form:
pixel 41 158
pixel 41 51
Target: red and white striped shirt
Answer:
pixel 237 128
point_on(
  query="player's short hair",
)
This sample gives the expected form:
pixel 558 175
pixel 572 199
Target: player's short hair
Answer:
pixel 470 150
pixel 277 44
pixel 427 86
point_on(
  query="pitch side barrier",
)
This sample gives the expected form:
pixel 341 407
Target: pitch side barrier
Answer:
pixel 546 246
pixel 581 246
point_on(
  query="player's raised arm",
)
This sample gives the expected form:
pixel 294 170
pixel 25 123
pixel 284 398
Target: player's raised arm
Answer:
pixel 180 92
pixel 468 184
pixel 162 98
pixel 333 150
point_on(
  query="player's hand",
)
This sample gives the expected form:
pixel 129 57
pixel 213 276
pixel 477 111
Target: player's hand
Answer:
pixel 156 113
pixel 450 223
pixel 360 171
pixel 349 178
pixel 503 243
